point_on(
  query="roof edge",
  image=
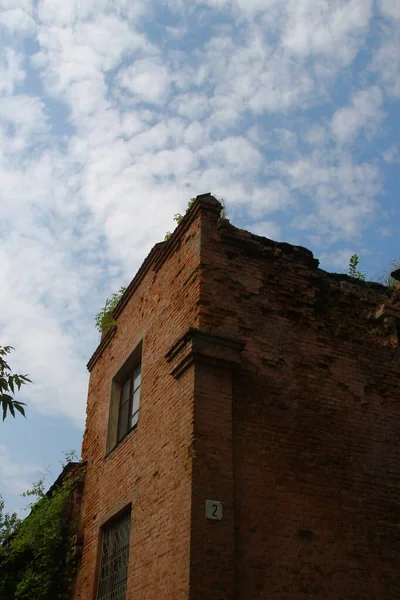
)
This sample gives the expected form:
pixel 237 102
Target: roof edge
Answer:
pixel 157 256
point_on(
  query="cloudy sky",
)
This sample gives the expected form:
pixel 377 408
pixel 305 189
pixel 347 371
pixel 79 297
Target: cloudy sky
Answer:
pixel 114 113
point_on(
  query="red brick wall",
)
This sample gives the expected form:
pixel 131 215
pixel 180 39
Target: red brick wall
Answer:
pixel 152 466
pixel 296 434
pixel 316 414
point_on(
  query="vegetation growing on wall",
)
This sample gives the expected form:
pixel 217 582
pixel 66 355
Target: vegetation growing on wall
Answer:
pixel 8 522
pixel 34 561
pixel 104 319
pixel 353 268
pixel 178 216
pixel 385 277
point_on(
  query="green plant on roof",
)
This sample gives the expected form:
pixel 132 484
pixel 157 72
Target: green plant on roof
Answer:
pixel 353 268
pixel 104 319
pixel 178 216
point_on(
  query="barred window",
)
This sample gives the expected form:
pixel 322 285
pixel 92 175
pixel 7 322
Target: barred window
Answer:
pixel 114 559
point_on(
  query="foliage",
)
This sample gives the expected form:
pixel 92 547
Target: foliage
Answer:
pixel 104 319
pixel 34 560
pixel 353 270
pixel 69 456
pixel 178 216
pixel 37 490
pixel 386 277
pixel 9 382
pixel 224 211
pixel 8 522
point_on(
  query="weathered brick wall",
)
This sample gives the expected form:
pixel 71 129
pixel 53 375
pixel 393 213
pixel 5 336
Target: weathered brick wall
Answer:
pixel 316 415
pixel 287 411
pixel 152 466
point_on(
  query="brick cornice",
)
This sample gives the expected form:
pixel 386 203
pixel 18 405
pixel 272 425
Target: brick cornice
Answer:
pixel 200 346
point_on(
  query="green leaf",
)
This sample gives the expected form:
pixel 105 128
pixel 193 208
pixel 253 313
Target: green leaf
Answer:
pixel 19 407
pixel 11 383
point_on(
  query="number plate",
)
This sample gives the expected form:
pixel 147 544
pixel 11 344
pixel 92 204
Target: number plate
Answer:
pixel 213 510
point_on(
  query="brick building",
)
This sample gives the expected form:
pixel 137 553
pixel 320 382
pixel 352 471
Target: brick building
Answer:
pixel 242 437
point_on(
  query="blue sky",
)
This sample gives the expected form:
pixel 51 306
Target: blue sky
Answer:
pixel 114 113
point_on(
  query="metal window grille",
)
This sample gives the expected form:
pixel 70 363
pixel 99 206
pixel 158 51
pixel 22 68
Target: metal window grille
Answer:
pixel 114 559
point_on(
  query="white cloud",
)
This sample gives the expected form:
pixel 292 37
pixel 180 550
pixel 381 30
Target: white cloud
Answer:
pixel 90 201
pixel 192 106
pixel 74 61
pixel 267 229
pixel 146 79
pixel 234 152
pixel 11 70
pixel 386 60
pixel 17 16
pixel 343 193
pixel 364 113
pixel 390 9
pixel 249 74
pixel 385 231
pixel 26 5
pixel 330 27
pixel 25 113
pixel 51 12
pixel 195 135
pixel 337 260
pixel 392 154
pixel 15 477
pixel 274 196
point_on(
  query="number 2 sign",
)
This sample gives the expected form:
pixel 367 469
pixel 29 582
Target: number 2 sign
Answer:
pixel 213 510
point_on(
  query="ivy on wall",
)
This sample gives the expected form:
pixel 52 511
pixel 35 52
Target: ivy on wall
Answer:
pixel 35 562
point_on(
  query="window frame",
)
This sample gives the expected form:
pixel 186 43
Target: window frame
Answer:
pixel 131 397
pixel 121 376
pixel 120 516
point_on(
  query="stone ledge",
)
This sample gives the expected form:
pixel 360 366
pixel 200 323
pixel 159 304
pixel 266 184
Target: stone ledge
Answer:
pixel 200 346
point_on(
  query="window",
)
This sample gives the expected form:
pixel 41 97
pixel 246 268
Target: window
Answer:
pixel 125 398
pixel 114 559
pixel 129 402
